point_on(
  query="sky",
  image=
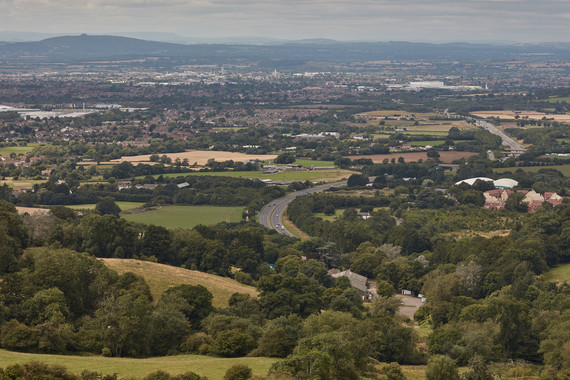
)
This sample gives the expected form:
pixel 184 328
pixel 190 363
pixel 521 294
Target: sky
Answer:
pixel 355 20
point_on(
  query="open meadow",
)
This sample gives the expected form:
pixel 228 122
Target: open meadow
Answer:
pixel 511 115
pixel 200 157
pixel 328 175
pixel 127 368
pixel 558 274
pixel 6 150
pixel 160 277
pixel 123 205
pixel 185 216
pixel 415 156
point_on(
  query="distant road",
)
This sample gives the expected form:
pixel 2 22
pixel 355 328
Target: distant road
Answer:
pixel 509 142
pixel 270 216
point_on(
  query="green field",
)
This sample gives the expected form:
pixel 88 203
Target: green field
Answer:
pixel 564 169
pixel 160 277
pixel 211 367
pixel 555 99
pixel 6 150
pixel 186 216
pixel 307 163
pixel 123 205
pixel 560 273
pixel 311 175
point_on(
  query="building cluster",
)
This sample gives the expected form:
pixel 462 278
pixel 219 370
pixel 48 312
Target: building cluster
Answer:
pixel 496 199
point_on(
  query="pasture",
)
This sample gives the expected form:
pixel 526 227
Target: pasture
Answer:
pixel 123 205
pixel 329 175
pixel 185 216
pixel 415 156
pixel 6 150
pixel 160 277
pixel 128 368
pixel 511 115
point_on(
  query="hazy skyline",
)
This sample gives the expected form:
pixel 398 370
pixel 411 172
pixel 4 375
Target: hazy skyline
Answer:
pixel 370 20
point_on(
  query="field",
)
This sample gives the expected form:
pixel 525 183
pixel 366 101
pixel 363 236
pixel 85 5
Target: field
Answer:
pixel 123 205
pixel 211 367
pixel 160 277
pixel 555 99
pixel 6 150
pixel 301 175
pixel 560 273
pixel 564 169
pixel 200 157
pixel 20 184
pixel 307 163
pixel 533 115
pixel 415 156
pixel 186 216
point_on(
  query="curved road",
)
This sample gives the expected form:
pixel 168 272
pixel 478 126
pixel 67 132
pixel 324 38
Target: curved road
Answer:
pixel 271 214
pixel 509 142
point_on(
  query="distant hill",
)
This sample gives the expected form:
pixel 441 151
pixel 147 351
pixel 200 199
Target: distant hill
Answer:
pixel 161 277
pixel 93 48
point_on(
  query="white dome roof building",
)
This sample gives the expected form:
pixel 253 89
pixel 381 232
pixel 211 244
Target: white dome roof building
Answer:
pixel 505 183
pixel 471 181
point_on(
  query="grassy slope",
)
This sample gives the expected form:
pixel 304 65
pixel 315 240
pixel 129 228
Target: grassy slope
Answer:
pixel 560 273
pixel 186 216
pixel 161 277
pixel 213 368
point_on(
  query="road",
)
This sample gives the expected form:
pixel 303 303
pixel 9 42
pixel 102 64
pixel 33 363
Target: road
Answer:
pixel 271 215
pixel 509 142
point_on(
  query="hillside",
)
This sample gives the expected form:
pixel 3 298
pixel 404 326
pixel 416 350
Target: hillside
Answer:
pixel 161 277
pixel 98 47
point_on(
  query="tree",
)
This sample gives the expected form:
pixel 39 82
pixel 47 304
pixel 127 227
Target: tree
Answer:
pixel 107 206
pixel 238 372
pixel 441 367
pixel 156 242
pixel 285 158
pixel 194 301
pixel 357 180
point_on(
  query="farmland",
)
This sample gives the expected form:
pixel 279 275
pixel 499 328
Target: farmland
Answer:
pixel 200 157
pixel 533 115
pixel 160 277
pixel 302 175
pixel 211 367
pixel 415 156
pixel 123 205
pixel 186 216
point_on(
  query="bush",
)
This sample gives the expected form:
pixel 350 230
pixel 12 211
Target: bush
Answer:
pixel 441 367
pixel 232 343
pixel 238 372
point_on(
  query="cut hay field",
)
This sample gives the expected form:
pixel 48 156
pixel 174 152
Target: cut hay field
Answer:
pixel 316 175
pixel 509 115
pixel 564 169
pixel 415 156
pixel 200 157
pixel 127 368
pixel 186 216
pixel 160 277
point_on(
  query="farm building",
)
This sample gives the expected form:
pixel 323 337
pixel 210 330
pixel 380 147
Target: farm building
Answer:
pixel 357 281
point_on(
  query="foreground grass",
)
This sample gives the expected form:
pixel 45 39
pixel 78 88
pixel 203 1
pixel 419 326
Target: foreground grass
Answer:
pixel 160 277
pixel 186 216
pixel 213 368
pixel 564 169
pixel 560 273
